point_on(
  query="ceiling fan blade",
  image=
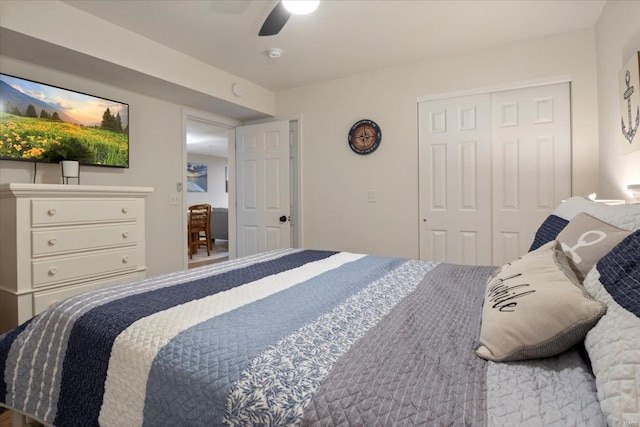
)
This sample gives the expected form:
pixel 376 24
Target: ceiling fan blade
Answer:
pixel 275 21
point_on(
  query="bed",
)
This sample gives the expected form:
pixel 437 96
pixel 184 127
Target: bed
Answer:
pixel 307 337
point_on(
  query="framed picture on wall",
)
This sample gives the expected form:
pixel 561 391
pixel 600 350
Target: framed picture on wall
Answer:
pixel 629 89
pixel 196 177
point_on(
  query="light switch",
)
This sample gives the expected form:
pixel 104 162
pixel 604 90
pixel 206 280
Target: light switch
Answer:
pixel 373 197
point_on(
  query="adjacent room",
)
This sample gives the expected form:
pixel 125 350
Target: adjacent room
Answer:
pixel 333 212
pixel 208 184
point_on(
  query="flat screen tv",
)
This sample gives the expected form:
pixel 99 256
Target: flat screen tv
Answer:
pixel 44 123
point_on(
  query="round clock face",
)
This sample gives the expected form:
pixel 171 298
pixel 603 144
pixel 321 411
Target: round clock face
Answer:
pixel 364 136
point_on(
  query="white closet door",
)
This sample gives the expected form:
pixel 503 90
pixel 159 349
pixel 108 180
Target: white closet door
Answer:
pixel 455 180
pixel 532 163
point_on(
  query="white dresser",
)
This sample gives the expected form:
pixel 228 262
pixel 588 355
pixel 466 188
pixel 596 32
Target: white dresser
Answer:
pixel 57 241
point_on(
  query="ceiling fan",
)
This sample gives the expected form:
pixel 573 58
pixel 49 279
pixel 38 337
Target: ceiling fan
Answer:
pixel 283 11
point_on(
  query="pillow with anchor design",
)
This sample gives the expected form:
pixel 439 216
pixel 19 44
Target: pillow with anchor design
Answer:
pixel 625 216
pixel 586 239
pixel 535 307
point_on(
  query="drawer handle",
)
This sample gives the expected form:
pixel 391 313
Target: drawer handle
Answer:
pixel 125 259
pixel 125 209
pixel 53 303
pixel 51 212
pixel 53 271
pixel 53 241
pixel 125 235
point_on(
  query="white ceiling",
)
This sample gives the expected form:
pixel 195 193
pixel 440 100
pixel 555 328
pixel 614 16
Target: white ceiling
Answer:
pixel 343 37
pixel 206 138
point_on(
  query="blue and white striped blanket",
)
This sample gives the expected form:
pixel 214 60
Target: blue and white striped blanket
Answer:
pixel 282 338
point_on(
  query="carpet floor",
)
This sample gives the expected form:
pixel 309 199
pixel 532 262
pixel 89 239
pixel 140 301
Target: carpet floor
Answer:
pixel 219 253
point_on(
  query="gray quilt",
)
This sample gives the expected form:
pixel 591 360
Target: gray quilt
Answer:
pixel 285 338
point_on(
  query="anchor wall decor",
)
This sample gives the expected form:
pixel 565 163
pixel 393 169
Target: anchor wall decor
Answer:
pixel 629 84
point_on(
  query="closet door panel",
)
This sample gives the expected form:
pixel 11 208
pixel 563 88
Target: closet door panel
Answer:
pixel 455 183
pixel 545 158
pixel 531 144
pixel 468 175
pixel 508 174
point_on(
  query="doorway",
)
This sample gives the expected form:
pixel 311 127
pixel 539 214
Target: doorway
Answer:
pixel 192 117
pixel 207 171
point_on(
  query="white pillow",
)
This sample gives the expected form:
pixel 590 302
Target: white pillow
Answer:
pixel 613 344
pixel 625 216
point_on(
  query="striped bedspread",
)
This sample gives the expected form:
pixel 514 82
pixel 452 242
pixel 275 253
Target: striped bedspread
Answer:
pixel 287 337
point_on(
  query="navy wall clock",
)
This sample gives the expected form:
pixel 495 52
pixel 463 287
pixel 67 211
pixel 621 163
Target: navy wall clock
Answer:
pixel 364 136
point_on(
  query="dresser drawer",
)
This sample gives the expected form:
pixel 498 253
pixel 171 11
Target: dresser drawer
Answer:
pixel 45 299
pixel 53 270
pixel 60 240
pixel 61 211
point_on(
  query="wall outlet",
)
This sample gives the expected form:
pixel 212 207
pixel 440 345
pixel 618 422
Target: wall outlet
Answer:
pixel 174 199
pixel 373 197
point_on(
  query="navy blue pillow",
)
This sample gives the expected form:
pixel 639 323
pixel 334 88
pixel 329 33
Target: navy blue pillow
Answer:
pixel 620 273
pixel 548 231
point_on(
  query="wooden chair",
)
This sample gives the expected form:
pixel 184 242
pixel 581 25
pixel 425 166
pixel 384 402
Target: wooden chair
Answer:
pixel 199 223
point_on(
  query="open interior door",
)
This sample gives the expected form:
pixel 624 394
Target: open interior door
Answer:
pixel 262 188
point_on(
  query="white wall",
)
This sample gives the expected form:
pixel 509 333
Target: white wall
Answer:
pixel 65 26
pixel 336 181
pixel 617 40
pixel 216 195
pixel 156 146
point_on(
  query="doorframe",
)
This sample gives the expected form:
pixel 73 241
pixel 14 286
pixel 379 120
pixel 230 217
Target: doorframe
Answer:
pixel 230 125
pixel 297 180
pixel 544 81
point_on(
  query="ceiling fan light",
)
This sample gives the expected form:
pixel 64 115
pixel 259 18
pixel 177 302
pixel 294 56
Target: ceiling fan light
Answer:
pixel 300 7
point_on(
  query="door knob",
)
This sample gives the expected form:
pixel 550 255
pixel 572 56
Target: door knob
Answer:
pixel 283 218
